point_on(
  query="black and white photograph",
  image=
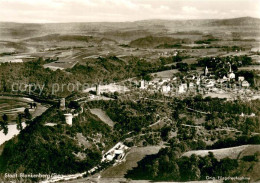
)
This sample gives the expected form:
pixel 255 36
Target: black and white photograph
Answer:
pixel 129 91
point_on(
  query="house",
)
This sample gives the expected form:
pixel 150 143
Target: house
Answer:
pixel 91 96
pixel 198 81
pixel 182 88
pixel 245 84
pixel 166 89
pixel 210 84
pixel 224 79
pixel 191 85
pixel 165 80
pixel 16 61
pixel 241 78
pixel 252 114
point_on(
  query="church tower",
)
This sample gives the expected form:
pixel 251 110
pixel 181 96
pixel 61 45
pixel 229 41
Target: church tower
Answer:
pixel 206 71
pixel 231 75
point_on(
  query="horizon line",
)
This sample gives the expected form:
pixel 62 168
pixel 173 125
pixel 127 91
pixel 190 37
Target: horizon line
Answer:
pixel 152 19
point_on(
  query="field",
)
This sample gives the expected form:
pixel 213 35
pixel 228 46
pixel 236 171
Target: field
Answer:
pixel 165 74
pixel 133 156
pixel 12 106
pixel 103 116
pixel 251 67
pixel 232 152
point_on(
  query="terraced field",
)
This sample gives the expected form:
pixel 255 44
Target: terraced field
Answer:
pixel 11 106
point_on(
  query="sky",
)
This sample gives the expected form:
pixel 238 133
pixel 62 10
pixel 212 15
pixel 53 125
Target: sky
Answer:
pixel 51 11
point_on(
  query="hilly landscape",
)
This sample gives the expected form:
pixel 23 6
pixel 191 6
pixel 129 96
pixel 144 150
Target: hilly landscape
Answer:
pixel 149 100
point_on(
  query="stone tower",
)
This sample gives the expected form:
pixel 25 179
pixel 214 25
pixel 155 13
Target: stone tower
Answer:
pixel 97 89
pixel 68 118
pixel 62 104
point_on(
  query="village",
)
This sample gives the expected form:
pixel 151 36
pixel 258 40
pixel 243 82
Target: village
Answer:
pixel 195 83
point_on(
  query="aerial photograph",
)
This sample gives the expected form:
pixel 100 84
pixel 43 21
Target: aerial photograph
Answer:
pixel 129 91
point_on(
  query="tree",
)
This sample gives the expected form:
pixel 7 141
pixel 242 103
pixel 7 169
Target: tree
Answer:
pixel 73 105
pixel 174 170
pixel 165 133
pixel 5 118
pixel 195 173
pixel 4 127
pixel 4 124
pixel 27 114
pixel 182 67
pixel 19 122
pixel 147 77
pixel 155 169
pixel 34 105
pixel 177 58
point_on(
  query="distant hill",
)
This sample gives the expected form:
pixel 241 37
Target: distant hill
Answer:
pixel 243 21
pixel 152 41
pixel 119 30
pixel 58 37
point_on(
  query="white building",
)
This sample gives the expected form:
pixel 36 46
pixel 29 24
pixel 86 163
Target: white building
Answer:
pixel 166 89
pixel 252 114
pixel 165 80
pixel 142 84
pixel 182 88
pixel 241 78
pixel 231 75
pixel 117 151
pixel 198 81
pixel 210 84
pixel 68 118
pixel 191 85
pixel 224 78
pixel 245 84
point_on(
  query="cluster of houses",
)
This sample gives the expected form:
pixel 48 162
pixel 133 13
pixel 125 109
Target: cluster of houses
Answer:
pixel 168 53
pixel 195 82
pixel 116 153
